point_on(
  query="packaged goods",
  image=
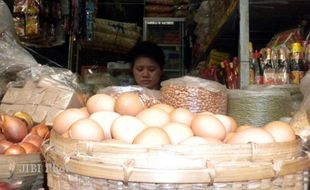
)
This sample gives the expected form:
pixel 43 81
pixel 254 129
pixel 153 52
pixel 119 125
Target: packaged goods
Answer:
pixel 195 94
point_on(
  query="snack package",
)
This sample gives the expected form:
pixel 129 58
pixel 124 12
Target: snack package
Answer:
pixel 195 94
pixel 148 97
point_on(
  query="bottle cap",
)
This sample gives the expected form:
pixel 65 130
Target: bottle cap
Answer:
pixel 296 47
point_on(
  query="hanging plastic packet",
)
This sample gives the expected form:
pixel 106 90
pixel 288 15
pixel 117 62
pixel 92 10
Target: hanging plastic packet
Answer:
pixel 90 18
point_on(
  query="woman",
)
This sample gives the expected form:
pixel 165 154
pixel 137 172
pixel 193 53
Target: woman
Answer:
pixel 148 62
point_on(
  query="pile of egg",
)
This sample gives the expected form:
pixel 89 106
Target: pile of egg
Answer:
pixel 127 119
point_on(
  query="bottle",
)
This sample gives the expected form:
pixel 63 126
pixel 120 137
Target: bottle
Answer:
pixel 296 63
pixel 282 68
pixel 269 70
pixel 307 58
pixel 251 64
pixel 258 68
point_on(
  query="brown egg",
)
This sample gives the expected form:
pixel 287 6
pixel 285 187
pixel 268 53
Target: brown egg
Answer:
pixel 152 136
pixel 105 120
pixel 208 126
pixel 228 136
pixel 182 115
pixel 281 131
pixel 167 108
pixel 126 128
pixel 129 103
pixel 234 124
pixel 226 121
pixel 177 132
pixel 205 113
pixel 243 127
pixel 33 139
pixel 64 119
pixel 86 129
pixel 154 117
pixel 100 102
pixel 255 135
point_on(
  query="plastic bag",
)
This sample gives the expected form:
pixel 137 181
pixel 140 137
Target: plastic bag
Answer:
pixel 301 120
pixel 13 56
pixel 195 94
pixel 148 97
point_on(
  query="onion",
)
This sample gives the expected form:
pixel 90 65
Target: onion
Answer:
pixel 41 130
pixel 29 148
pixel 2 137
pixel 14 129
pixel 4 144
pixel 5 186
pixel 14 149
pixel 33 139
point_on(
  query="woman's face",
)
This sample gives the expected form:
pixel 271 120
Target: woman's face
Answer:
pixel 147 72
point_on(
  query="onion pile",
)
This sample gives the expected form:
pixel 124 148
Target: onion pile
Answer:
pixel 125 119
pixel 19 136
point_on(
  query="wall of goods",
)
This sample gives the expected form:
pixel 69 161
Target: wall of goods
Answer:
pixel 193 133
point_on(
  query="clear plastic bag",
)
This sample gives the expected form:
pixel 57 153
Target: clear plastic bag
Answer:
pixel 301 120
pixel 195 94
pixel 149 97
pixel 13 56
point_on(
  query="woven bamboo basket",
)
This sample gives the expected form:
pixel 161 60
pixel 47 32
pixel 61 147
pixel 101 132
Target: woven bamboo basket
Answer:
pixel 23 172
pixel 74 164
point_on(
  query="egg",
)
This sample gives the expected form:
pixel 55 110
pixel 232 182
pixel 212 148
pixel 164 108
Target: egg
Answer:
pixel 86 129
pixel 126 128
pixel 167 108
pixel 205 113
pixel 208 126
pixel 64 119
pixel 177 132
pixel 281 131
pixel 254 135
pixel 182 115
pixel 234 124
pixel 226 121
pixel 152 136
pixel 100 102
pixel 243 127
pixel 154 117
pixel 228 136
pixel 129 103
pixel 105 120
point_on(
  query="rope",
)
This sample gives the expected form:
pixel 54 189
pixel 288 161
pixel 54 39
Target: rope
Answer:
pixel 258 107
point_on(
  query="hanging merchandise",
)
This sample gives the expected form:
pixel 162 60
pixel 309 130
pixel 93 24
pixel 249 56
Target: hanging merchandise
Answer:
pixel 166 8
pixel 39 23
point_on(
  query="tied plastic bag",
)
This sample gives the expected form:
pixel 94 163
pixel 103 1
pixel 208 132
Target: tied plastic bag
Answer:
pixel 195 94
pixel 301 120
pixel 13 56
pixel 148 97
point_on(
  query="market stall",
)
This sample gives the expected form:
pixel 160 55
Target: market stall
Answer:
pixel 199 131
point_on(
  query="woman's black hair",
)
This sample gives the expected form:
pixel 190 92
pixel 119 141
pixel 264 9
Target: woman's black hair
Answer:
pixel 150 50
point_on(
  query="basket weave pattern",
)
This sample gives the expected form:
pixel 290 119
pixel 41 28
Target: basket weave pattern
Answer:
pixel 96 165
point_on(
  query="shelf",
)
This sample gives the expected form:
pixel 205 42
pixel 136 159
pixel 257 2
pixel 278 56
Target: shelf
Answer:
pixel 218 27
